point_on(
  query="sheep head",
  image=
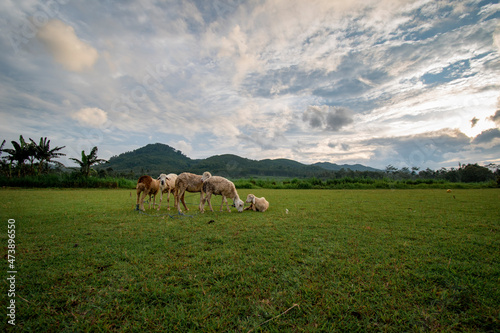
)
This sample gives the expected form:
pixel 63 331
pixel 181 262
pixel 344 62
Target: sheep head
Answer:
pixel 163 179
pixel 205 176
pixel 239 204
pixel 250 199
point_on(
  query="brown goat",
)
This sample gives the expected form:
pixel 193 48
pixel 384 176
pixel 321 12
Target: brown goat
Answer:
pixel 148 186
pixel 188 182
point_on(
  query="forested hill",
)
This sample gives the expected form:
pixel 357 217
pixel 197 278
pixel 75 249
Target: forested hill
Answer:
pixel 157 158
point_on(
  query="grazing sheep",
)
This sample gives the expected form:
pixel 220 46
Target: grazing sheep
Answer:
pixel 148 186
pixel 220 186
pixel 257 204
pixel 167 184
pixel 188 182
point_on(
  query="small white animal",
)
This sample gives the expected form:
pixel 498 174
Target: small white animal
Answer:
pixel 257 204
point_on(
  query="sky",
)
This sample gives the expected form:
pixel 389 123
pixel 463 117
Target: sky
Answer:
pixel 385 82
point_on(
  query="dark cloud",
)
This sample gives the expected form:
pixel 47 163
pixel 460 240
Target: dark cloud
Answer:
pixel 422 149
pixel 343 146
pixel 487 136
pixel 496 116
pixel 473 122
pixel 328 118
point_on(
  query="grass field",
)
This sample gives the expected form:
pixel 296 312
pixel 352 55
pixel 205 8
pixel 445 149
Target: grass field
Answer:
pixel 340 260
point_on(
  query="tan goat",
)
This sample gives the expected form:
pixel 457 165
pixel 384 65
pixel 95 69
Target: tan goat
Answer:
pixel 147 186
pixel 167 184
pixel 188 182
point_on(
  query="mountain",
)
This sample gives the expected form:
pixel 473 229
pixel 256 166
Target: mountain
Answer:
pixel 150 159
pixel 337 167
pixel 157 158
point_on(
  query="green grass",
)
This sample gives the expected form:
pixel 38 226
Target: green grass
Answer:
pixel 352 260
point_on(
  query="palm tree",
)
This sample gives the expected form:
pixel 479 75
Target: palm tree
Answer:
pixel 45 155
pixel 19 154
pixel 87 161
pixel 3 162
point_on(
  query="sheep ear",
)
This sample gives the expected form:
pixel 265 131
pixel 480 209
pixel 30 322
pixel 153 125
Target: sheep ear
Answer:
pixel 253 200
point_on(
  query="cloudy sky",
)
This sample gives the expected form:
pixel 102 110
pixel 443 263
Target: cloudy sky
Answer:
pixel 407 83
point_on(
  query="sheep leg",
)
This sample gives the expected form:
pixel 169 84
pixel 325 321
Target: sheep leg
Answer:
pixel 154 201
pixel 176 199
pixel 184 202
pixel 224 199
pixel 161 198
pixel 179 197
pixel 141 200
pixel 168 200
pixel 138 198
pixel 202 203
pixel 209 196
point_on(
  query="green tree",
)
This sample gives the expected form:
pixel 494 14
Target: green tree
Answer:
pixel 475 173
pixel 88 161
pixel 3 161
pixel 45 155
pixel 20 153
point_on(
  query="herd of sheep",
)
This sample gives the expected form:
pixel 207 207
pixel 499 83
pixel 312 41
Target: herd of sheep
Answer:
pixel 206 184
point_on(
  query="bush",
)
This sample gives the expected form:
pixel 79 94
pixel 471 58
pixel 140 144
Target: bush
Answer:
pixel 244 184
pixel 66 180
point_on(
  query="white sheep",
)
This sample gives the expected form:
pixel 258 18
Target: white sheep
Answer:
pixel 220 186
pixel 188 182
pixel 147 186
pixel 257 204
pixel 167 184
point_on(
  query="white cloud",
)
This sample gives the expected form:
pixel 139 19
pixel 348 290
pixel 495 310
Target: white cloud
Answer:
pixel 496 38
pixel 92 117
pixel 65 46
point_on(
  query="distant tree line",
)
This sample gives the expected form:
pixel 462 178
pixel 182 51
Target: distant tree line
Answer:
pixel 466 173
pixel 31 158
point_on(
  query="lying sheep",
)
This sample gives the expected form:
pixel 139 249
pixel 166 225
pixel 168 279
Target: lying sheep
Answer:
pixel 147 186
pixel 188 182
pixel 167 184
pixel 220 186
pixel 257 204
